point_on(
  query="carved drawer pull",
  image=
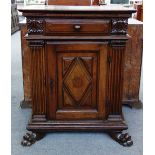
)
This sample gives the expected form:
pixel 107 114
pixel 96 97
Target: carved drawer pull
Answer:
pixel 77 27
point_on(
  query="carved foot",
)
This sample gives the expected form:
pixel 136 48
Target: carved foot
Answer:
pixel 122 139
pixel 31 138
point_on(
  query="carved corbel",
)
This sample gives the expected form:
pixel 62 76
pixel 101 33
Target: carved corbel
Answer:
pixel 34 26
pixel 119 26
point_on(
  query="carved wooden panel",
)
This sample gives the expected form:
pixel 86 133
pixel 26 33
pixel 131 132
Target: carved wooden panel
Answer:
pixel 38 77
pixel 77 80
pixel 79 94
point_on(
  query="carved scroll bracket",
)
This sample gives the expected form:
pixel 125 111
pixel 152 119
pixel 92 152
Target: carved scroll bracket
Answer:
pixel 119 26
pixel 34 26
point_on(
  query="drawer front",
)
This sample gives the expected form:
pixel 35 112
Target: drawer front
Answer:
pixel 77 27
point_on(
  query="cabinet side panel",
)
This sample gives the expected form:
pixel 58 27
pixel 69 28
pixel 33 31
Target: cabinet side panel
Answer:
pixel 133 60
pixel 25 64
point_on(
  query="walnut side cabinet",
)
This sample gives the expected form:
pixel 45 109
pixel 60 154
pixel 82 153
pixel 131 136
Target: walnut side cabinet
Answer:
pixel 77 62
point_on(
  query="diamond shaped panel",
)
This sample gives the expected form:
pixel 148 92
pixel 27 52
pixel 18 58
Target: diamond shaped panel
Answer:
pixel 77 80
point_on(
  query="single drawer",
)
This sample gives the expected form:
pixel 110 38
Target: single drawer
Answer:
pixel 77 27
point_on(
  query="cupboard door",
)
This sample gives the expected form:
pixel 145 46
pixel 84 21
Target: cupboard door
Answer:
pixel 77 81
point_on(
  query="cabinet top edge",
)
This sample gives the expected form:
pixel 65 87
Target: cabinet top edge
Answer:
pixel 61 8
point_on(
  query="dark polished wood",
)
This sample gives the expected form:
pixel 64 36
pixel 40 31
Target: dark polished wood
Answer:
pixel 76 78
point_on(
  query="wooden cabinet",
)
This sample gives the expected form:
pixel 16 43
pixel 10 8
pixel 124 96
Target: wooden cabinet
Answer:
pixel 133 57
pixel 77 64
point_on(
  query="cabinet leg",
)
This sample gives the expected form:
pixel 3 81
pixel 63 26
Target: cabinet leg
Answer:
pixel 122 138
pixel 31 138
